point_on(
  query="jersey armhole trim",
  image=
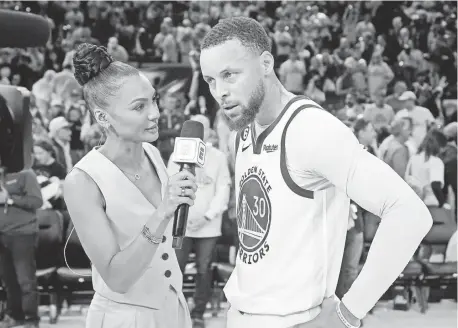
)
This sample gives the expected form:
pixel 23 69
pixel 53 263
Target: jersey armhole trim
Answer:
pixel 283 168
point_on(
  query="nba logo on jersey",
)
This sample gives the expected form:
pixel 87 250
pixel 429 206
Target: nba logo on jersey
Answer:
pixel 254 214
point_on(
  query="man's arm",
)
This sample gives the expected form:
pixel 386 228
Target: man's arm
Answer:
pixel 372 184
pixel 31 198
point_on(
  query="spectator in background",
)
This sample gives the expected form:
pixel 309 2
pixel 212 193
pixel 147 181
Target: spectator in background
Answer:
pixel 358 70
pixel 45 163
pixel 64 84
pixel 74 117
pixel 60 134
pixel 342 52
pixel 39 130
pixel 117 51
pixel 449 157
pixel 449 110
pixel 56 109
pixel 393 99
pixel 366 135
pixel 170 123
pixel 42 90
pixel 422 88
pixel 50 174
pixel 411 62
pixel 20 197
pixel 223 132
pixel 166 45
pixel 5 74
pixel 345 83
pixel 393 149
pixel 425 170
pixel 421 118
pixel 205 218
pixel 351 110
pixel 292 73
pixel 379 113
pixel 379 74
pixel 365 26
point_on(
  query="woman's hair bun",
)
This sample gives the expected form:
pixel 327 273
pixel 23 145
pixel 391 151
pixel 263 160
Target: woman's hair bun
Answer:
pixel 89 60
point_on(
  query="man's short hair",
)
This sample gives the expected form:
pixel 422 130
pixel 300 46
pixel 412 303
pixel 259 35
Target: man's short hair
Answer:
pixel 249 32
pixel 398 125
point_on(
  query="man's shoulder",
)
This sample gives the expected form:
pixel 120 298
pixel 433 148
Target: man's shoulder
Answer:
pixel 314 125
pixel 423 110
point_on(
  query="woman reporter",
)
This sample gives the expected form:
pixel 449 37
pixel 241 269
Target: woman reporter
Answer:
pixel 121 201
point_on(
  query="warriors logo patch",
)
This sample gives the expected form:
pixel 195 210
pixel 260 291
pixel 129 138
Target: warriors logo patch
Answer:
pixel 254 214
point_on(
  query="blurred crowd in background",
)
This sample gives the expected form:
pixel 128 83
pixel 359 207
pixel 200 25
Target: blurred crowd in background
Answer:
pixel 386 69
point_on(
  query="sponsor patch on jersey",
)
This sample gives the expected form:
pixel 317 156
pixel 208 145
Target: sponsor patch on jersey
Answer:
pixel 269 148
pixel 254 215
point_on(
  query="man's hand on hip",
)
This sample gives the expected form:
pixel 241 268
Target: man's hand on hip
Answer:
pixel 328 317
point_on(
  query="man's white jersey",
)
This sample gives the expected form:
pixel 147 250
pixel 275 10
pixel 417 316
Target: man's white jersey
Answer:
pixel 282 265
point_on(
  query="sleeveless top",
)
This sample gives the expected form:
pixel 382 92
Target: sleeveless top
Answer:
pixel 281 266
pixel 128 210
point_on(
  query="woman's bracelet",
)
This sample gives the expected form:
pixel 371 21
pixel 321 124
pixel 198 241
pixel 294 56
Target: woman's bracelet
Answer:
pixel 342 318
pixel 150 237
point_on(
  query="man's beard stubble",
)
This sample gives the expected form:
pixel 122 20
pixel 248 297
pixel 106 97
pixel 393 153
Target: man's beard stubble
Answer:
pixel 249 112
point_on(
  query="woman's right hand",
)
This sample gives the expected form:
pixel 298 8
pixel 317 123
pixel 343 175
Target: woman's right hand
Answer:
pixel 174 196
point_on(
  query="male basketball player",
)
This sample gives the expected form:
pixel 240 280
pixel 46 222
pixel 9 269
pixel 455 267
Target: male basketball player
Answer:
pixel 297 167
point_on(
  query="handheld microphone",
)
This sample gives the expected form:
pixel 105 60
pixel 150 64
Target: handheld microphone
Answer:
pixel 189 151
pixel 22 30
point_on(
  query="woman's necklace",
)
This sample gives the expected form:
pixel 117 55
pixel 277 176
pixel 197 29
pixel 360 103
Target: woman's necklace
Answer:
pixel 136 176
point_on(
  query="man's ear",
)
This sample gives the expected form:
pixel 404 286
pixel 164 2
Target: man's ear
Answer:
pixel 267 62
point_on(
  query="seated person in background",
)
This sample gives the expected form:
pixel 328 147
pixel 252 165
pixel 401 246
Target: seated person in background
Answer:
pixel 425 170
pixel 379 113
pixel 50 174
pixel 393 149
pixel 20 197
pixel 421 117
pixel 449 157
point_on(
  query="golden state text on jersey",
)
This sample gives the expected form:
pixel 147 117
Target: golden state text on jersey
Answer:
pixel 254 215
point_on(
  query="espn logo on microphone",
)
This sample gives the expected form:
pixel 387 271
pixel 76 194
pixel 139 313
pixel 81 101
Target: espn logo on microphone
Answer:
pixel 190 151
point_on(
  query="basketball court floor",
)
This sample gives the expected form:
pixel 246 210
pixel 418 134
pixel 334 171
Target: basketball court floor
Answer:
pixel 439 315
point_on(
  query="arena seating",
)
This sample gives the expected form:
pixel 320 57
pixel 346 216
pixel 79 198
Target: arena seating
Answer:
pixel 440 278
pixel 421 280
pixel 75 284
pixel 50 224
pixel 420 276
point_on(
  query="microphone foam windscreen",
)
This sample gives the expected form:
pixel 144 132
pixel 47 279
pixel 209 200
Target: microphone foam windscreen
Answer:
pixel 192 129
pixel 22 30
